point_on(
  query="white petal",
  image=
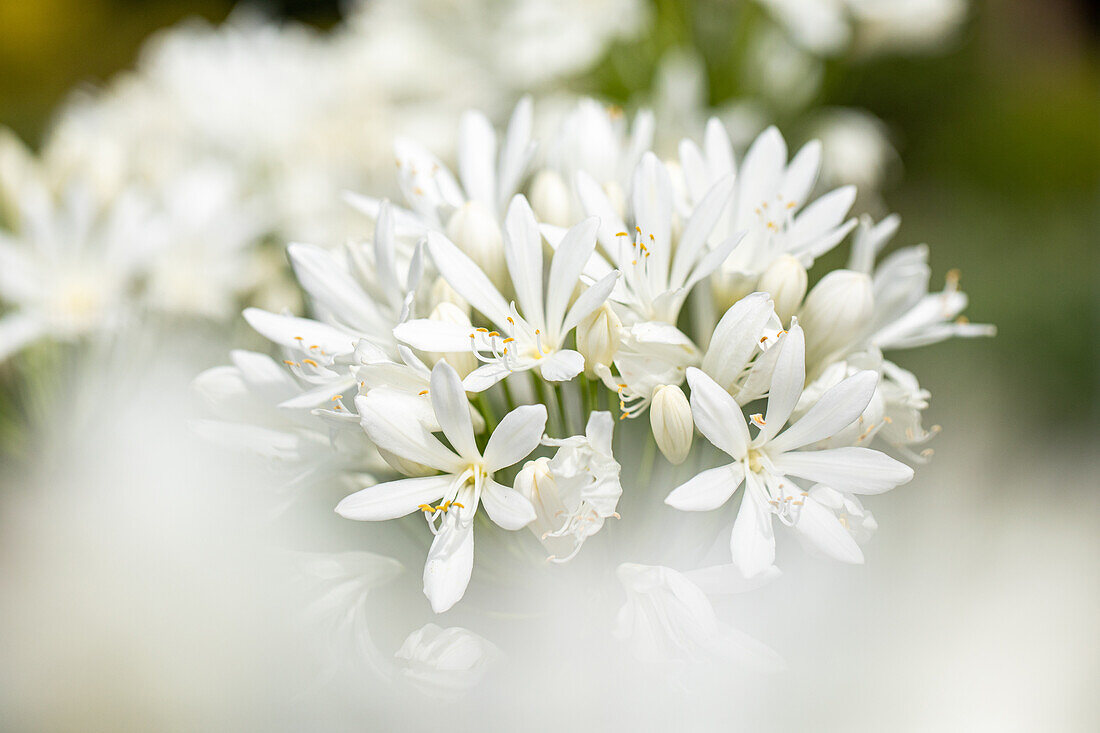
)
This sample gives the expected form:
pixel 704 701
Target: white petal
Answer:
pixel 719 150
pixel 588 301
pixel 477 156
pixel 517 151
pixel 820 216
pixel 437 336
pixel 698 230
pixel 331 287
pixel 760 171
pixel 523 252
pixel 297 332
pixel 859 470
pixel 467 278
pixel 452 410
pixel 393 499
pixel 752 543
pixel 839 407
pixel 652 205
pixel 570 258
pixel 485 376
pixel 820 528
pixel 518 433
pixel 16 331
pixel 561 366
pixel 788 378
pixel 708 490
pixel 506 506
pixel 801 174
pixel 449 566
pixel 736 337
pixel 596 203
pixel 717 415
pixel 392 427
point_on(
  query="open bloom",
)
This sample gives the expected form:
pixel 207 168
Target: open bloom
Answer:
pixel 533 335
pixel 769 463
pixel 574 492
pixel 450 500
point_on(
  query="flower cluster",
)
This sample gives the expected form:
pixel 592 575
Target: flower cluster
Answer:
pixel 489 356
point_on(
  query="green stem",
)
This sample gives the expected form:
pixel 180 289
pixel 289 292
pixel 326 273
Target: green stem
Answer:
pixel 540 394
pixel 566 417
pixel 649 457
pixel 509 399
pixel 482 405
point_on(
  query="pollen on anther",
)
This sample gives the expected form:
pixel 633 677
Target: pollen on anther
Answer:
pixel 337 397
pixel 422 392
pixel 311 362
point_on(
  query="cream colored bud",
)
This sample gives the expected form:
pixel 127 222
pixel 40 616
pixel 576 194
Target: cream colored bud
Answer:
pixel 405 466
pixel 598 337
pixel 476 232
pixel 670 418
pixel 835 315
pixel 551 199
pixel 785 280
pixel 464 362
pixel 442 292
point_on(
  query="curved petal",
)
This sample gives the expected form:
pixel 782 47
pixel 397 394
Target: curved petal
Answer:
pixel 588 301
pixel 477 157
pixel 858 470
pixel 392 427
pixel 393 499
pixel 438 336
pixel 561 366
pixel 300 332
pixel 717 415
pixel 736 338
pixel 506 506
pixel 452 410
pixel 698 230
pixel 595 203
pixel 515 437
pixel 331 287
pixel 823 531
pixel 839 407
pixel 570 258
pixel 449 566
pixel 708 490
pixel 788 378
pixel 467 278
pixel 752 542
pixel 523 253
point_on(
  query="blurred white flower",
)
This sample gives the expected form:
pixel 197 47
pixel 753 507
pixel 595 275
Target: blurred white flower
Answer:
pixel 444 661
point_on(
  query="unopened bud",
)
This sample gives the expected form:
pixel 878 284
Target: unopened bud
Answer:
pixel 476 232
pixel 835 315
pixel 442 292
pixel 598 337
pixel 404 465
pixel 785 280
pixel 551 200
pixel 670 418
pixel 464 362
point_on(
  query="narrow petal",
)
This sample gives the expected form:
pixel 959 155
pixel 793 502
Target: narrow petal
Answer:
pixel 16 331
pixel 570 258
pixel 523 252
pixel 485 376
pixel 788 378
pixel 506 506
pixel 333 289
pixel 437 336
pixel 477 157
pixel 452 410
pixel 752 542
pixel 823 531
pixel 736 338
pixel 595 203
pixel 515 437
pixel 698 230
pixel 858 470
pixel 298 332
pixel 801 174
pixel 588 301
pixel 717 415
pixel 839 407
pixel 449 566
pixel 517 151
pixel 392 427
pixel 708 490
pixel 467 278
pixel 652 206
pixel 823 214
pixel 393 499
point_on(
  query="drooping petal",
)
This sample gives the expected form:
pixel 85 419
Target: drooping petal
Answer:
pixel 300 332
pixel 450 564
pixel 717 415
pixel 393 499
pixel 506 506
pixel 518 433
pixel 708 490
pixel 752 542
pixel 452 409
pixel 858 470
pixel 821 529
pixel 788 378
pixel 839 407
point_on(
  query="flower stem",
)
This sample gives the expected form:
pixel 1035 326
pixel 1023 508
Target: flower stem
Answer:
pixel 566 418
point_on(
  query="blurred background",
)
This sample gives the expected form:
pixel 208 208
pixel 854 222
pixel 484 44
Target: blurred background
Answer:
pixel 978 606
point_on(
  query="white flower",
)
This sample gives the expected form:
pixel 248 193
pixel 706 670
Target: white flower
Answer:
pixel 770 203
pixel 444 661
pixel 533 335
pixel 466 482
pixel 768 463
pixel 740 357
pixel 668 618
pixel 599 336
pixel 835 316
pixel 575 491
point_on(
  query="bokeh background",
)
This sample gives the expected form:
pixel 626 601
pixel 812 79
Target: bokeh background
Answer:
pixel 978 607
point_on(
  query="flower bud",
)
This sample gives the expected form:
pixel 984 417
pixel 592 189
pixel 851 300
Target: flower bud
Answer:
pixel 835 315
pixel 670 418
pixel 785 281
pixel 476 232
pixel 551 200
pixel 617 197
pixel 464 362
pixel 404 465
pixel 442 292
pixel 598 337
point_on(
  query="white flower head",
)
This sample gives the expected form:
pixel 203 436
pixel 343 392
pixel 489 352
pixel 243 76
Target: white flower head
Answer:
pixel 769 463
pixel 574 492
pixel 444 661
pixel 450 500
